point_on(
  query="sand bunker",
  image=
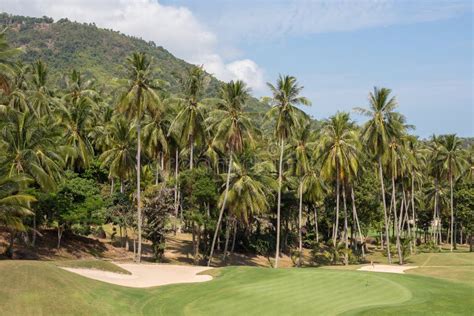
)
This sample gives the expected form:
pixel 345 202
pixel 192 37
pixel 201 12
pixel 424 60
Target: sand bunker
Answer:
pixel 147 275
pixel 386 268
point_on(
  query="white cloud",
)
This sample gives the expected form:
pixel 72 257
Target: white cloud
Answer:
pixel 173 27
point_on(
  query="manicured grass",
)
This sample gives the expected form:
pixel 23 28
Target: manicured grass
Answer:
pixel 32 288
pixel 92 264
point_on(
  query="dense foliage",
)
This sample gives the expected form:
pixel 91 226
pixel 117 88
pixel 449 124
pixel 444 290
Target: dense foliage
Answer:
pixel 162 152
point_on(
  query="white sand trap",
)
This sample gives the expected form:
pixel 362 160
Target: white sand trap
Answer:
pixel 386 268
pixel 147 275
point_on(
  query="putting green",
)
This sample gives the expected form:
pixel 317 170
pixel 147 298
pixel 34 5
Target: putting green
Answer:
pixel 32 288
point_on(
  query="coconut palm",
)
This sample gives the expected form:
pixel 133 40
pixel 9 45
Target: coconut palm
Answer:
pixel 14 203
pixel 31 149
pixel 300 153
pixel 397 161
pixel 189 123
pixel 75 119
pixel 452 157
pixel 376 134
pixel 120 157
pixel 250 191
pixel 338 153
pixel 232 128
pixel 6 62
pixel 40 96
pixel 155 139
pixel 139 96
pixel 285 97
pixel 78 87
pixel 18 87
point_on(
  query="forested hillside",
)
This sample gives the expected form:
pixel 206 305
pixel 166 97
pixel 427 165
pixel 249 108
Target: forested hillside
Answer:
pixel 64 45
pixel 99 53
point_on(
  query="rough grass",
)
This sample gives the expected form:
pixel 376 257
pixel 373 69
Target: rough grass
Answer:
pixel 34 288
pixel 92 264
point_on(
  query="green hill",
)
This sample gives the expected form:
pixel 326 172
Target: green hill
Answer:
pixel 101 53
pixel 96 52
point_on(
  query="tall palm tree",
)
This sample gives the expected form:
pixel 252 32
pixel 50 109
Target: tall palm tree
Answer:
pixel 75 119
pixel 452 157
pixel 6 62
pixel 339 155
pixel 41 97
pixel 189 123
pixel 376 135
pixel 155 131
pixel 285 97
pixel 250 191
pixel 119 156
pixel 301 148
pixel 77 87
pixel 232 128
pixel 397 160
pixel 18 87
pixel 139 96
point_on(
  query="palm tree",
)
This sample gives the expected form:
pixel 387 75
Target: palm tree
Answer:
pixel 397 160
pixel 41 97
pixel 31 149
pixel 119 156
pixel 155 137
pixel 339 153
pixel 6 55
pixel 232 128
pixel 451 155
pixel 376 134
pixel 249 193
pixel 75 119
pixel 18 87
pixel 14 204
pixel 285 98
pixel 77 87
pixel 189 123
pixel 139 96
pixel 301 169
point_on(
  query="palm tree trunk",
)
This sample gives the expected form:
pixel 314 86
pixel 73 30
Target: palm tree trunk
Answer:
pixel 300 233
pixel 227 237
pixel 336 224
pixel 395 216
pixel 436 218
pixel 157 172
pixel 452 208
pixel 387 237
pixel 176 205
pixel 280 175
pixel 191 151
pixel 234 237
pixel 33 241
pixel 354 210
pixel 139 207
pixel 316 224
pixel 413 211
pixel 111 185
pixel 221 213
pixel 346 239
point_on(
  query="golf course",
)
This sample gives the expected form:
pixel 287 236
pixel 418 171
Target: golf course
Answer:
pixel 247 158
pixel 43 288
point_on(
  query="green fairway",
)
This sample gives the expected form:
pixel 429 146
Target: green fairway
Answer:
pixel 33 288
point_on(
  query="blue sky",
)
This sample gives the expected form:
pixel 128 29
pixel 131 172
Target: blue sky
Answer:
pixel 428 63
pixel 339 50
